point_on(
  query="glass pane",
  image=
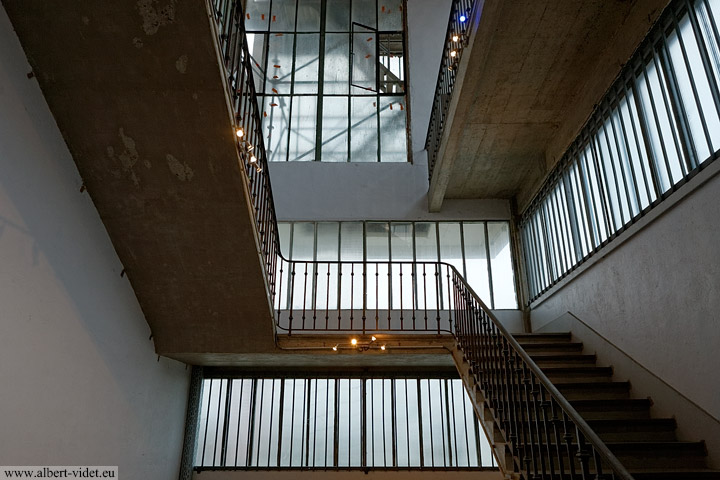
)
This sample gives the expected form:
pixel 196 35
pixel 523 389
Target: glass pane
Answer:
pixel 257 15
pixel 328 240
pixel 699 81
pixel 279 65
pixel 351 249
pixel 451 246
pixel 476 260
pixel 276 125
pixel 302 132
pixel 334 129
pixel 337 63
pixel 364 136
pixel 283 16
pixel 426 249
pixel 393 135
pixel 308 15
pixel 338 17
pixel 377 244
pixel 401 249
pixel 390 15
pixel 303 241
pixel 501 262
pixel 364 12
pixel 306 63
pixel 364 61
pixel 256 47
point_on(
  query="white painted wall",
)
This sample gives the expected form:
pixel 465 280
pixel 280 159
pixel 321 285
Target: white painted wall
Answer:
pixel 656 296
pixel 386 191
pixel 81 384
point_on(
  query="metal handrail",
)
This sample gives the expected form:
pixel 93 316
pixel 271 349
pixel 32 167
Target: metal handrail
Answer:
pixel 447 75
pixel 600 451
pixel 471 322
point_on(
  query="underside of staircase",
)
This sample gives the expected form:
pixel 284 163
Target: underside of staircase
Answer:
pixel 647 446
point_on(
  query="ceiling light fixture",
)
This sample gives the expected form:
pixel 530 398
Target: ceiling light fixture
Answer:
pixel 240 133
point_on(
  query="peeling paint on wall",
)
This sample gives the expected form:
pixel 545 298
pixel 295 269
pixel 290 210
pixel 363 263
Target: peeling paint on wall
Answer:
pixel 180 170
pixel 181 64
pixel 154 16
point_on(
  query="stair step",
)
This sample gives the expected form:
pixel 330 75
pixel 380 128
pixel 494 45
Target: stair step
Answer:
pixel 551 347
pixel 635 430
pixel 542 337
pixel 586 373
pixel 660 454
pixel 676 474
pixel 562 359
pixel 616 409
pixel 594 390
pixel 640 454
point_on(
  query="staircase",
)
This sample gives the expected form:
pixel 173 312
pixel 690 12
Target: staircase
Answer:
pixel 647 447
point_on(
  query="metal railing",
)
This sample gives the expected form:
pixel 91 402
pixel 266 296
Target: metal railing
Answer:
pixel 338 421
pixel 456 38
pixel 547 437
pixel 544 433
pixel 237 61
pixel 364 297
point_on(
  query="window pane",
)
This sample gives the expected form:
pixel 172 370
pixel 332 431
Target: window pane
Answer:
pixel 338 17
pixel 302 131
pixel 337 63
pixel 283 16
pixel 393 136
pixel 276 124
pixel 363 136
pixel 390 15
pixel 334 129
pixel 364 12
pixel 306 63
pixel 279 64
pixel 476 260
pixel 364 61
pixel 257 15
pixel 308 16
pixel 501 263
pixel 377 244
pixel 401 245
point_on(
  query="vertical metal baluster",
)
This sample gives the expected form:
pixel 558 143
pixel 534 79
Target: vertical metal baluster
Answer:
pixel 327 299
pixel 217 425
pixel 401 297
pixel 352 293
pixel 207 421
pixel 305 292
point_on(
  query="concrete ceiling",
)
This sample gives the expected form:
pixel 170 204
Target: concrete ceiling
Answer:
pixel 533 74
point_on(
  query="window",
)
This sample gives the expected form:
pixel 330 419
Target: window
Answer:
pixel 656 127
pixel 330 77
pixel 339 422
pixel 480 251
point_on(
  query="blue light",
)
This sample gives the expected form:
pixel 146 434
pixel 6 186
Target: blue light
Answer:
pixel 463 18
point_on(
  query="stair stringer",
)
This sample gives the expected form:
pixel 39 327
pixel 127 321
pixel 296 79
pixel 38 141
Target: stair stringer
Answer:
pixel 495 435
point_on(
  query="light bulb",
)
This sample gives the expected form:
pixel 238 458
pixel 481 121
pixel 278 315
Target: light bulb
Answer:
pixel 253 159
pixel 382 347
pixel 239 132
pixel 453 53
pixel 455 38
pixel 335 348
pixel 354 341
pixel 463 18
pixel 373 338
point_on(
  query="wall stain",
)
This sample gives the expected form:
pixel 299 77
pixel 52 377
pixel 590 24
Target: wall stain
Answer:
pixel 181 63
pixel 128 158
pixel 181 170
pixel 155 16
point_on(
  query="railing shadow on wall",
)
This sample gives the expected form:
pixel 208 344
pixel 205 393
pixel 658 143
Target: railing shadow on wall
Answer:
pixel 544 433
